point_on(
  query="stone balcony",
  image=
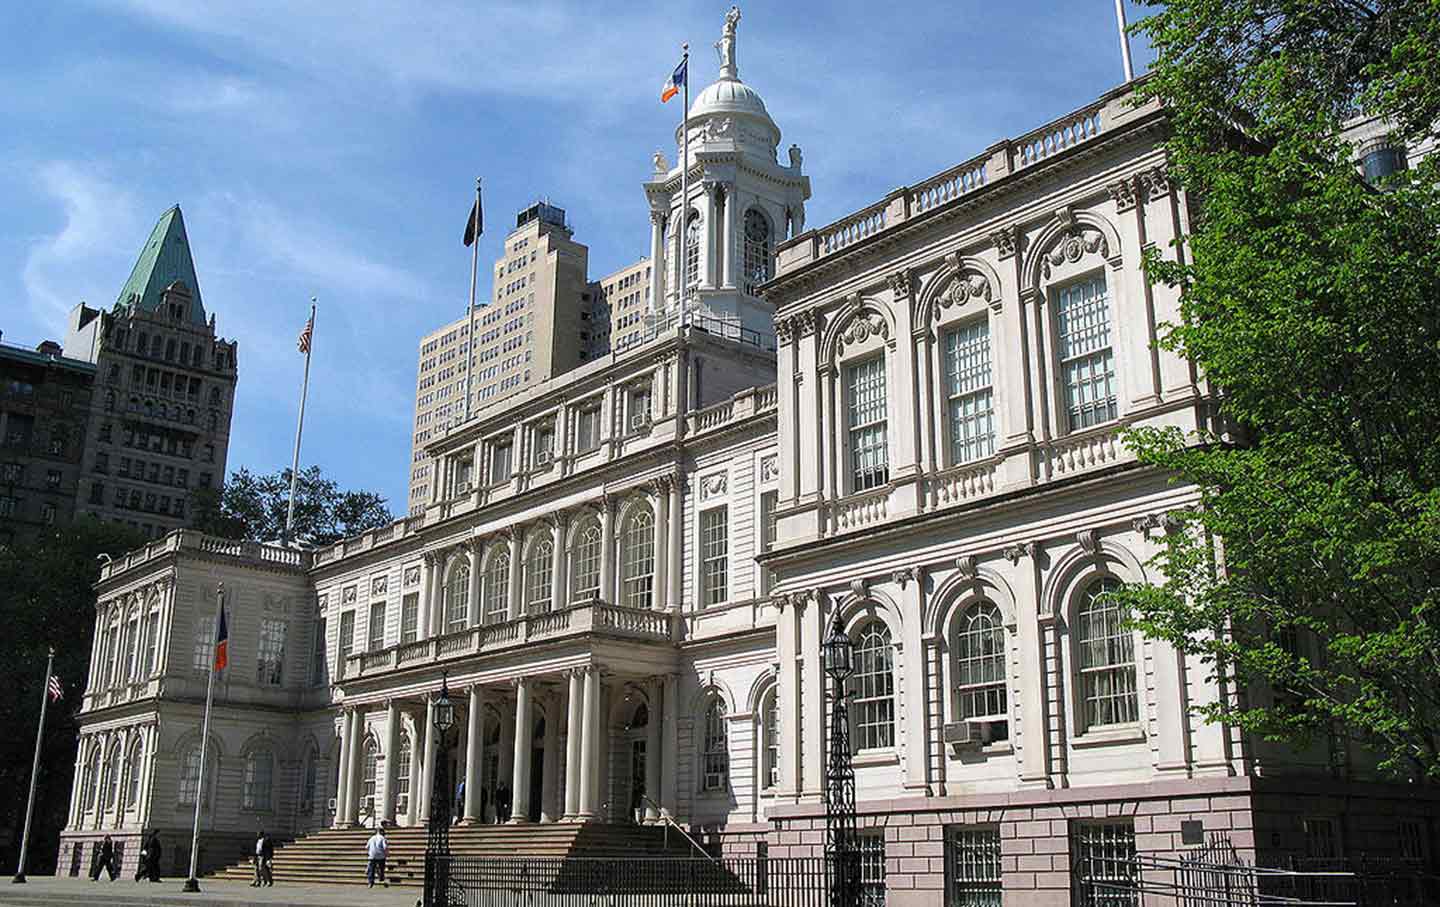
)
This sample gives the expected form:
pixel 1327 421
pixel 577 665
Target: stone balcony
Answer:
pixel 587 620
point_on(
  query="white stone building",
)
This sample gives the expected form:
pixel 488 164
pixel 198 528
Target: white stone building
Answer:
pixel 627 570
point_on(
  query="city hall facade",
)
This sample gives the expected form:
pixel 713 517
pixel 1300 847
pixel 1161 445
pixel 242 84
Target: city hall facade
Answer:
pixel 908 421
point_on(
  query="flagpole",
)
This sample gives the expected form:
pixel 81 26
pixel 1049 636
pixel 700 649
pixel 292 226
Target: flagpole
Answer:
pixel 1124 40
pixel 192 884
pixel 34 770
pixel 684 185
pixel 299 427
pixel 470 312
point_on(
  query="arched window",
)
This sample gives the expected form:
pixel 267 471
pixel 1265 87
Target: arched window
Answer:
pixel 692 251
pixel 89 784
pixel 369 769
pixel 457 591
pixel 112 776
pixel 189 784
pixel 757 249
pixel 866 424
pixel 585 562
pixel 259 773
pixel 538 566
pixel 979 648
pixel 968 389
pixel 132 776
pixel 716 752
pixel 873 686
pixel 497 584
pixel 770 728
pixel 1106 654
pixel 1087 357
pixel 310 781
pixel 637 559
pixel 402 774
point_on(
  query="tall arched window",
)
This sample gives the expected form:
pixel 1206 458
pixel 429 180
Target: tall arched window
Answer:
pixel 873 686
pixel 866 423
pixel 757 249
pixel 979 648
pixel 637 559
pixel 538 566
pixel 189 784
pixel 1106 654
pixel 89 784
pixel 132 776
pixel 259 774
pixel 497 583
pixel 112 776
pixel 716 752
pixel 457 592
pixel 310 781
pixel 1087 358
pixel 968 389
pixel 770 727
pixel 369 773
pixel 402 774
pixel 585 562
pixel 692 251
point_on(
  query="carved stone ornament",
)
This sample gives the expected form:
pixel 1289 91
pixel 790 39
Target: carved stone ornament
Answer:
pixel 770 468
pixel 859 588
pixel 1155 183
pixel 379 584
pixel 1088 541
pixel 1122 191
pixel 806 322
pixel 900 284
pixel 1013 553
pixel 1075 245
pixel 1165 522
pixel 966 566
pixel 781 600
pixel 713 486
pixel 412 576
pixel 862 328
pixel 347 595
pixel 1006 241
pixel 784 330
pixel 661 167
pixel 903 576
pixel 965 287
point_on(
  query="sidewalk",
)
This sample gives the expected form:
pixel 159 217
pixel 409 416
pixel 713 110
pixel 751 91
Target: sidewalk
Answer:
pixel 49 891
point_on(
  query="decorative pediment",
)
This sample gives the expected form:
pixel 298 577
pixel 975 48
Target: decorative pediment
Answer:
pixel 860 329
pixel 1075 245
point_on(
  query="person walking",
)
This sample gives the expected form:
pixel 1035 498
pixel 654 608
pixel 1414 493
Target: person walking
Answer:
pixel 105 861
pixel 502 803
pixel 152 857
pixel 376 849
pixel 259 860
pixel 264 861
pixel 459 812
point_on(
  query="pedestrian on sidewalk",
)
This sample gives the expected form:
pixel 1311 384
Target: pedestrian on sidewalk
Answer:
pixel 264 861
pixel 152 857
pixel 376 849
pixel 105 861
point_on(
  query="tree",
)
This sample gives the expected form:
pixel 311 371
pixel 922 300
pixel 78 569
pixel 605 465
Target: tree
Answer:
pixel 253 507
pixel 1310 570
pixel 49 600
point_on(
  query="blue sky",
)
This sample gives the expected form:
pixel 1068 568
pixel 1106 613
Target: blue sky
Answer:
pixel 330 149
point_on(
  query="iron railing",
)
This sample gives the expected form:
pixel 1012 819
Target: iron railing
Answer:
pixel 639 882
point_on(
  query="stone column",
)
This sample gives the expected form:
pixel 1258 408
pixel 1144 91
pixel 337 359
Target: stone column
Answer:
pixel 912 666
pixel 473 592
pixel 427 586
pixel 417 762
pixel 590 746
pixel 657 260
pixel 151 736
pixel 524 727
pixel 559 582
pixel 788 683
pixel 1028 632
pixel 392 761
pixel 574 734
pixel 677 525
pixel 733 249
pixel 607 551
pixel 670 747
pixel 813 718
pixel 652 751
pixel 516 594
pixel 427 774
pixel 474 752
pixel 342 774
pixel 551 766
pixel 357 764
pixel 167 625
pixel 658 598
pixel 708 266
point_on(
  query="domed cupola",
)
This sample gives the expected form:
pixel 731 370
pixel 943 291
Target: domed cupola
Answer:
pixel 728 109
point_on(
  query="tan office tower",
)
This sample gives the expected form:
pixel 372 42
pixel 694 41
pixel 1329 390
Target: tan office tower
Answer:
pixel 622 301
pixel 536 325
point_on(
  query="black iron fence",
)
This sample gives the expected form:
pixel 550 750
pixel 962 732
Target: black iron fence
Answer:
pixel 643 882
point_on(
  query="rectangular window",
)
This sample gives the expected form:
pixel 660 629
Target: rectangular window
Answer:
pixel 1087 361
pixel 464 468
pixel 376 627
pixel 544 445
pixel 1412 840
pixel 972 866
pixel 768 502
pixel 204 643
pixel 270 659
pixel 1103 857
pixel 347 637
pixel 638 407
pixel 152 629
pixel 714 554
pixel 319 671
pixel 872 868
pixel 1106 658
pixel 500 462
pixel 968 386
pixel 866 420
pixel 1321 840
pixel 410 618
pixel 587 429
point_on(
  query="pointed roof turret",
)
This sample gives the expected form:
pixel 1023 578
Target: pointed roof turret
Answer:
pixel 164 260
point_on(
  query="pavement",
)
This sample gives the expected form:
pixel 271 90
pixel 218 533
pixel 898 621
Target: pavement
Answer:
pixel 50 891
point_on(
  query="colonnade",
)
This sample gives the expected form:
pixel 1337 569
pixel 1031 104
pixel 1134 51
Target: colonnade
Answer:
pixel 576 699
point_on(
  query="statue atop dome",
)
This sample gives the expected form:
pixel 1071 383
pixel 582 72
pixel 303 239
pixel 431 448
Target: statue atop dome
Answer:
pixel 725 47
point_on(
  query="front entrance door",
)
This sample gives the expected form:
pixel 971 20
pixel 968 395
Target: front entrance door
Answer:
pixel 637 781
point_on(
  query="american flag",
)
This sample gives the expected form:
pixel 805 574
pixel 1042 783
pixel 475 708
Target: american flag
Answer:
pixel 56 693
pixel 306 334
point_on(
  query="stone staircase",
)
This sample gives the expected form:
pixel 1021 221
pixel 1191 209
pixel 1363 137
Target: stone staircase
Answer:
pixel 337 855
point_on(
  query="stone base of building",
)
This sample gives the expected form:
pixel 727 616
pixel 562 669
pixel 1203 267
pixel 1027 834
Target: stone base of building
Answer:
pixel 80 849
pixel 1041 836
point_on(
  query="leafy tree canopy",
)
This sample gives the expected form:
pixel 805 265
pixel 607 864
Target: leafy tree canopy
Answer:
pixel 1312 302
pixel 253 507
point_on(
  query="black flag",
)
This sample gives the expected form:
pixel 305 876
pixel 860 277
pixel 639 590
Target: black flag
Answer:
pixel 476 225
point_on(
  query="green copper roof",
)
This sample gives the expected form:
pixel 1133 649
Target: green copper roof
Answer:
pixel 164 260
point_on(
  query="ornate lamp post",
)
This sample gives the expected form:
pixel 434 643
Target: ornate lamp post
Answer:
pixel 841 857
pixel 437 846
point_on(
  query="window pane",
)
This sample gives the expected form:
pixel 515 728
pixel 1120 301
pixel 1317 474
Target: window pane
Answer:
pixel 979 647
pixel 376 627
pixel 972 866
pixel 968 385
pixel 1087 361
pixel 872 869
pixel 457 598
pixel 537 577
pixel 873 685
pixel 497 587
pixel 270 660
pixel 714 548
pixel 410 618
pixel 587 561
pixel 1106 654
pixel 716 751
pixel 637 560
pixel 865 400
pixel 1104 860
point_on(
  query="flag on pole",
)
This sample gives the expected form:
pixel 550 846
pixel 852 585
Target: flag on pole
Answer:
pixel 306 333
pixel 222 638
pixel 56 692
pixel 476 225
pixel 676 81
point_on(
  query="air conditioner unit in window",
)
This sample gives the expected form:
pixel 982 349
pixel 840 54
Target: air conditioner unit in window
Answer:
pixel 543 457
pixel 329 804
pixel 462 488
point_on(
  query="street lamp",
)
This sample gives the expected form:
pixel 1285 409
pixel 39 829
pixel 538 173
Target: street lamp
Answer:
pixel 841 857
pixel 437 845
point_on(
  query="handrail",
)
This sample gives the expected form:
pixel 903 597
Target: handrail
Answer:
pixel 671 823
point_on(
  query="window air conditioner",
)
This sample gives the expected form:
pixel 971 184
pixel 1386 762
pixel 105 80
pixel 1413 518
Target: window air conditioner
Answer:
pixel 963 734
pixel 329 804
pixel 543 457
pixel 462 488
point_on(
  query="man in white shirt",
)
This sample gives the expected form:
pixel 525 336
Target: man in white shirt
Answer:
pixel 376 848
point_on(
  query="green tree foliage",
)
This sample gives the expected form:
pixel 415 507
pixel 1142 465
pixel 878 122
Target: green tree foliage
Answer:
pixel 252 508
pixel 1310 573
pixel 48 600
